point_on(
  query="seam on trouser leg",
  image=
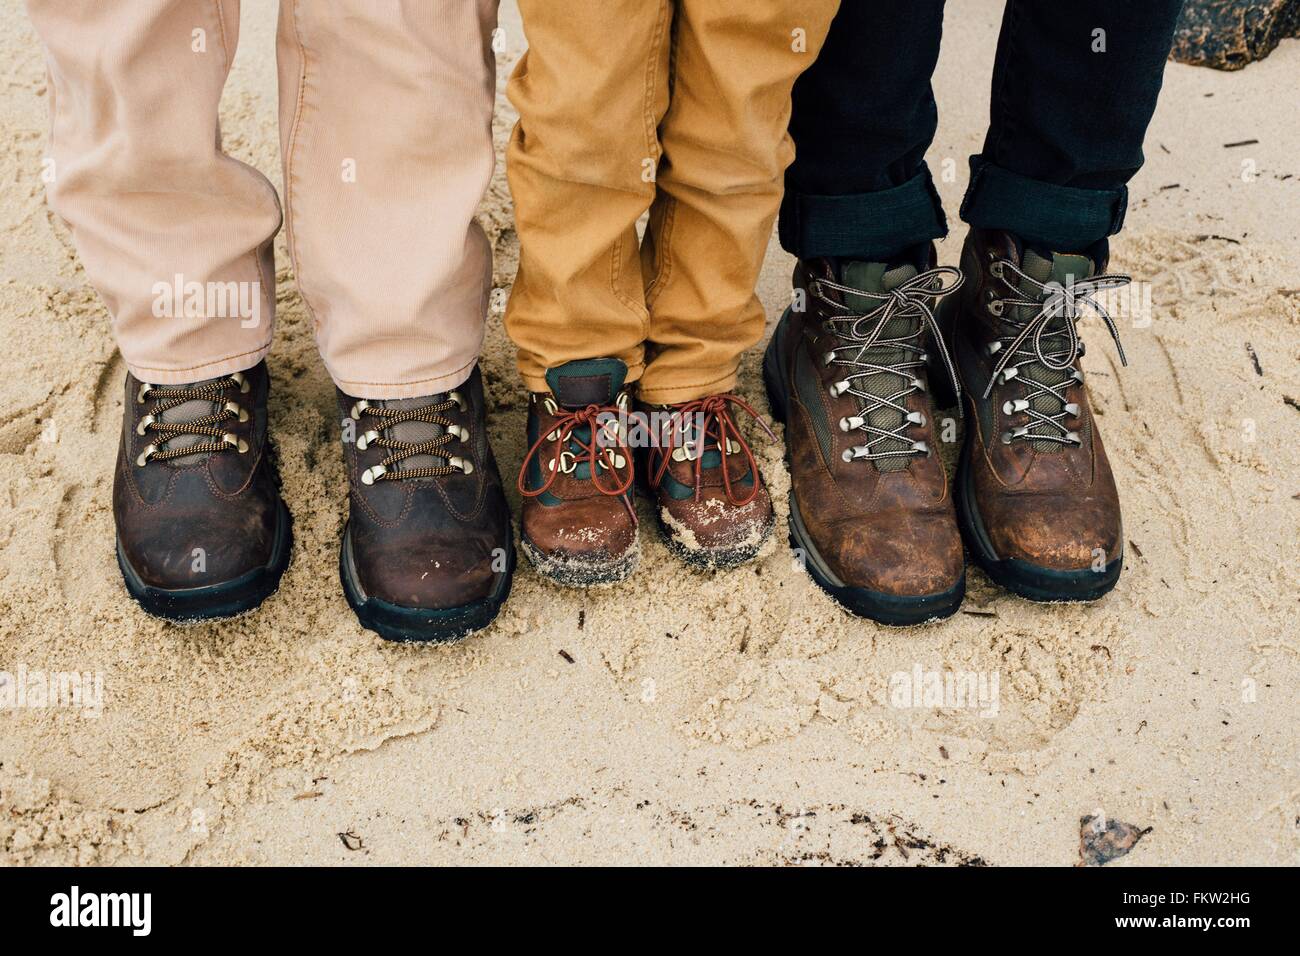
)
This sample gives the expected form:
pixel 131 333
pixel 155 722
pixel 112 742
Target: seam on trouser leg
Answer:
pixel 615 274
pixel 663 257
pixel 648 97
pixel 290 188
pixel 225 42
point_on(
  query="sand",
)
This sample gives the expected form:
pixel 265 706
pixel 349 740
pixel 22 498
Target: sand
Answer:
pixel 689 717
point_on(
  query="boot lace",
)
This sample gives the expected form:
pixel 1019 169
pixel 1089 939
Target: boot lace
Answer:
pixel 385 418
pixel 167 397
pixel 591 436
pixel 696 426
pixel 864 338
pixel 1050 340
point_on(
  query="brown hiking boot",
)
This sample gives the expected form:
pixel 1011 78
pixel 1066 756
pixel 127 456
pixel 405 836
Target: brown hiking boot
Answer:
pixel 579 527
pixel 428 552
pixel 870 509
pixel 714 510
pixel 201 529
pixel 1035 493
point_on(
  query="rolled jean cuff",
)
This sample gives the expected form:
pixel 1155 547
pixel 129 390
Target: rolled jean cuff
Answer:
pixel 874 225
pixel 1062 216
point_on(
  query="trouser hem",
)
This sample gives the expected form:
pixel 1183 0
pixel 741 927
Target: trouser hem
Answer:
pixel 1057 216
pixel 872 225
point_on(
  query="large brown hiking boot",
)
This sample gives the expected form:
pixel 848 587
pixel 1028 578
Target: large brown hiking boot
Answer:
pixel 428 552
pixel 578 523
pixel 1035 494
pixel 714 510
pixel 870 510
pixel 201 529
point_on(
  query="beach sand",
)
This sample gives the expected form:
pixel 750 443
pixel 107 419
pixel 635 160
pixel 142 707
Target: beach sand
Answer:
pixel 737 717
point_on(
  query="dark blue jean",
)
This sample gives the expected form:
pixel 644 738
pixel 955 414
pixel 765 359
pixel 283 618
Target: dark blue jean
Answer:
pixel 1074 88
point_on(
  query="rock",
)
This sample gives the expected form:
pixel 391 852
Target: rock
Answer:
pixel 1228 34
pixel 1101 841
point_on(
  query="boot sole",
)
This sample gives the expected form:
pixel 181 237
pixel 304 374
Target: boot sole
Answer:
pixel 215 601
pixel 889 609
pixel 1030 581
pixel 575 574
pixel 414 625
pixel 715 559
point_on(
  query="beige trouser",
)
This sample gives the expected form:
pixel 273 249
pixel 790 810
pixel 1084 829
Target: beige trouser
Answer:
pixel 386 140
pixel 675 106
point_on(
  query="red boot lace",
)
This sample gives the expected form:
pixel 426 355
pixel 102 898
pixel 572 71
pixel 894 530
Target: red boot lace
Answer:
pixel 597 456
pixel 717 426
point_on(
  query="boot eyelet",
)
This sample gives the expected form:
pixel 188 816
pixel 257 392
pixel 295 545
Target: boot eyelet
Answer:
pixel 1006 438
pixel 459 433
pixel 364 441
pixel 460 402
pixel 149 451
pixel 243 383
pixel 996 269
pixel 143 393
pixel 996 308
pixel 466 467
pixel 370 475
pixel 238 411
pixel 234 441
pixel 357 409
pixel 144 424
pixel 1072 409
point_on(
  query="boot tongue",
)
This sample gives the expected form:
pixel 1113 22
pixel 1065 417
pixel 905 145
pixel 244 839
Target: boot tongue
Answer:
pixel 882 277
pixel 1062 268
pixel 188 412
pixel 587 382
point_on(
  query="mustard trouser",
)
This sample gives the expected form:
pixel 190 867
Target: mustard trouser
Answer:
pixel 678 107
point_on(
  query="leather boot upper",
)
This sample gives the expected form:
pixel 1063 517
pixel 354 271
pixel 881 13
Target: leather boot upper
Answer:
pixel 576 479
pixel 428 524
pixel 1042 483
pixel 195 491
pixel 710 493
pixel 878 508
